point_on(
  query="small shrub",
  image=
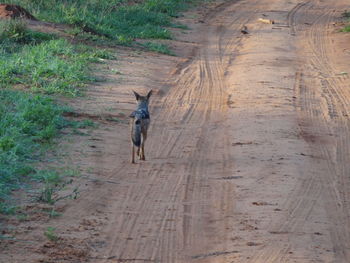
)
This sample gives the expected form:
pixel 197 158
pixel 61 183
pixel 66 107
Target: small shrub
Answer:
pixel 50 234
pixel 346 29
pixel 158 47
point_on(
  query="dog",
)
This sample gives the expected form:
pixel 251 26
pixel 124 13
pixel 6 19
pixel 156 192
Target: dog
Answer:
pixel 139 123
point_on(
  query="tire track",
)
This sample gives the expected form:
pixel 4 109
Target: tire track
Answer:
pixel 334 96
pixel 178 211
pixel 291 17
pixel 321 102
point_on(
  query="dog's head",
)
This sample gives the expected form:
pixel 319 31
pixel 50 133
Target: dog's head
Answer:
pixel 143 100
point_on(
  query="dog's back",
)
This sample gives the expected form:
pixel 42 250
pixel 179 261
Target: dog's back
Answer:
pixel 140 122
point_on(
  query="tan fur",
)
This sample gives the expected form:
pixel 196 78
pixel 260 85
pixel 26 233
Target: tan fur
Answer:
pixel 266 21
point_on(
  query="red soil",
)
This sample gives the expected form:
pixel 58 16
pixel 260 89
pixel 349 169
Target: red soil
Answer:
pixel 14 11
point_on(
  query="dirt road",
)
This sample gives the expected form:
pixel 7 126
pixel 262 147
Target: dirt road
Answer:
pixel 248 154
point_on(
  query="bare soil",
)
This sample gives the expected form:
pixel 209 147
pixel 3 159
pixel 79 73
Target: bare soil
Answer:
pixel 247 156
pixel 14 11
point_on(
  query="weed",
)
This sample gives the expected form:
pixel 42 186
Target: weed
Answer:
pixel 180 26
pixel 51 212
pixel 51 181
pixel 69 172
pixel 54 213
pixel 346 29
pixel 346 14
pixel 114 119
pixel 22 217
pixel 90 170
pixel 50 234
pixel 158 47
pixel 7 209
pixel 116 71
pixel 82 124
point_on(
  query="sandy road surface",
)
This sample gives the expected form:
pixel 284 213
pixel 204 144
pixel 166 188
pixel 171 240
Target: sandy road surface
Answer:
pixel 248 154
pixel 248 157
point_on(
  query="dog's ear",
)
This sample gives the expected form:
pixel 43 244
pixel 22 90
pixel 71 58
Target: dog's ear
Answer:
pixel 136 95
pixel 149 94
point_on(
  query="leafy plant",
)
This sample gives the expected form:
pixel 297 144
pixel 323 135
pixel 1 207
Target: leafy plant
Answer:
pixel 346 29
pixel 158 47
pixel 50 234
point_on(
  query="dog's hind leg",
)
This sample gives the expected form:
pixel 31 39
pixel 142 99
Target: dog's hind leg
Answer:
pixel 132 153
pixel 144 137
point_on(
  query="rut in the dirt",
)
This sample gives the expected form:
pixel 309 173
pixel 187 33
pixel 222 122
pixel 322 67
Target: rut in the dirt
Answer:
pixel 247 153
pixel 233 175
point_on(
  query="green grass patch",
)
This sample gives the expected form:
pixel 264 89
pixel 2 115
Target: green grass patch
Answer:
pixel 346 29
pixel 38 63
pixel 51 67
pixel 83 124
pixel 53 181
pixel 346 14
pixel 42 63
pixel 28 123
pixel 51 234
pixel 14 33
pixel 158 47
pixel 119 20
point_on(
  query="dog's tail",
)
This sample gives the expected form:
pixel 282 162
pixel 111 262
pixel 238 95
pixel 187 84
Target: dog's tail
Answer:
pixel 136 133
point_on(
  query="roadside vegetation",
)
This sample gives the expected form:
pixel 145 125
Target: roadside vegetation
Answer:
pixel 119 20
pixel 28 124
pixel 43 63
pixel 37 67
pixel 346 14
pixel 33 66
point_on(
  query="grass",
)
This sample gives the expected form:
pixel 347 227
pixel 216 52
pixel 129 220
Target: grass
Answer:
pixel 33 66
pixel 28 123
pixel 53 181
pixel 50 234
pixel 158 47
pixel 346 14
pixel 119 20
pixel 14 33
pixel 346 29
pixel 38 62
